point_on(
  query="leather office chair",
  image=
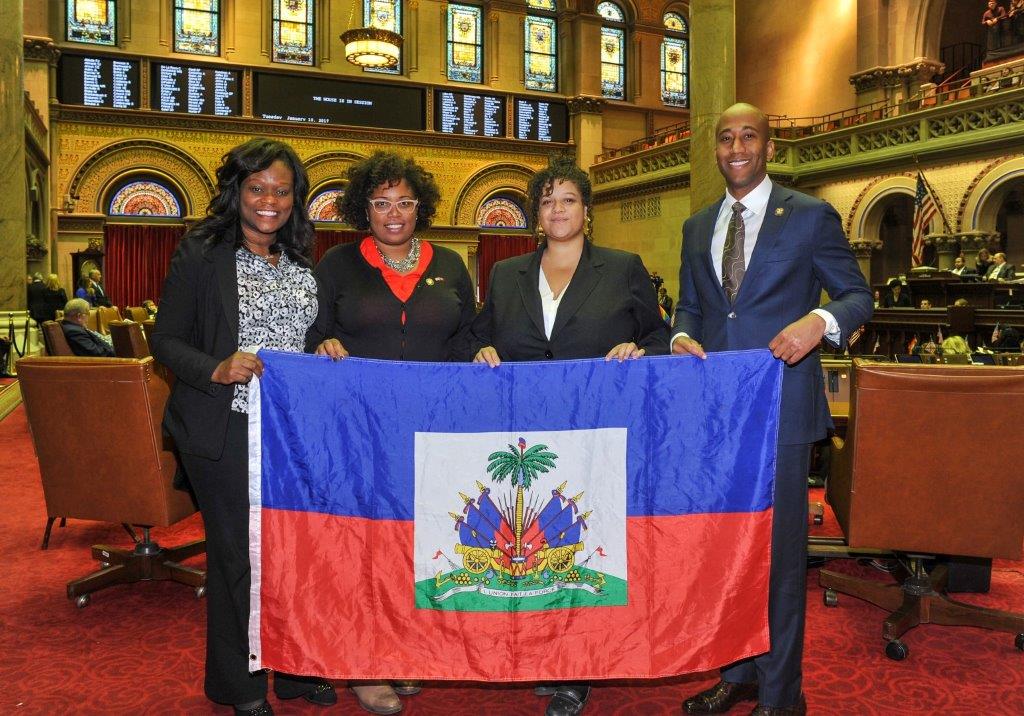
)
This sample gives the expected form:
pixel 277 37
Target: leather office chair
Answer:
pixel 126 481
pixel 105 315
pixel 129 340
pixel 136 313
pixel 941 500
pixel 54 341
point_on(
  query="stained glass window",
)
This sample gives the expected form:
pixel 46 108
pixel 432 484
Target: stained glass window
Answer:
pixel 541 58
pixel 613 50
pixel 197 26
pixel 675 62
pixel 144 198
pixel 93 21
pixel 324 206
pixel 501 212
pixel 611 11
pixel 465 43
pixel 293 31
pixel 387 15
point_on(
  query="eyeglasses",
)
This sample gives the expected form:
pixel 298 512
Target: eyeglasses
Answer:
pixel 383 206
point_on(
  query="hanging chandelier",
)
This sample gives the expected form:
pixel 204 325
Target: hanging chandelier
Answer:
pixel 372 46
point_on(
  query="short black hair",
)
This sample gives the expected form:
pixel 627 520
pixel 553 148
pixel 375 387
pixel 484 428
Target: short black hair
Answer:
pixel 387 168
pixel 222 222
pixel 560 168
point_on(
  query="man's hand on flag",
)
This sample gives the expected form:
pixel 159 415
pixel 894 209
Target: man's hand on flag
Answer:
pixel 625 351
pixel 332 347
pixel 488 355
pixel 239 367
pixel 686 346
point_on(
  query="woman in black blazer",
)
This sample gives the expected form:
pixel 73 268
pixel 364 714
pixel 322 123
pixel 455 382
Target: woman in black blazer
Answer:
pixel 568 299
pixel 239 281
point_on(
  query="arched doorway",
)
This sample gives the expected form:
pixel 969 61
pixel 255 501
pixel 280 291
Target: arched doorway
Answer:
pixel 894 218
pixel 1010 221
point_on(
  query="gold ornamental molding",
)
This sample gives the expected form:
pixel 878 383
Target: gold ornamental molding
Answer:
pixel 919 70
pixel 504 176
pixel 585 104
pixel 40 49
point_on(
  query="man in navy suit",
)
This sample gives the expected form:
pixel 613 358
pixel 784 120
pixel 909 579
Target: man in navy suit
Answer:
pixel 81 340
pixel 753 268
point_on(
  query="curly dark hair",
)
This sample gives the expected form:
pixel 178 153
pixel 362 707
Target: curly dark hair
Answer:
pixel 387 168
pixel 560 168
pixel 221 222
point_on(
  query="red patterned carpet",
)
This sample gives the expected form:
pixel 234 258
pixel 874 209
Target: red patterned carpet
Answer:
pixel 139 648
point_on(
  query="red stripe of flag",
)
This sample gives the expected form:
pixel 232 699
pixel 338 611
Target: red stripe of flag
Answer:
pixel 925 209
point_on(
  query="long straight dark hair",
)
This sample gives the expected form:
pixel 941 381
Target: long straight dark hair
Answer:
pixel 222 223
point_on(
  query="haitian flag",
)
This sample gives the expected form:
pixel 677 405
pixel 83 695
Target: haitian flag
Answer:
pixel 556 521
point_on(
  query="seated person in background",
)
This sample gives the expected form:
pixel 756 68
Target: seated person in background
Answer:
pixel 150 307
pixel 960 302
pixel 955 346
pixel 960 266
pixel 1000 270
pixel 81 340
pixel 982 262
pixel 1006 338
pixel 896 297
pixel 925 304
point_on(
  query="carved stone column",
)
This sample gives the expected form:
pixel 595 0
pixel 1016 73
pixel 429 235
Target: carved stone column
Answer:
pixel 585 114
pixel 862 249
pixel 947 246
pixel 973 241
pixel 12 160
pixel 712 89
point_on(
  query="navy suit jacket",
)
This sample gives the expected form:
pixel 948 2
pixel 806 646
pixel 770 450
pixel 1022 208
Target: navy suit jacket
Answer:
pixel 800 250
pixel 84 342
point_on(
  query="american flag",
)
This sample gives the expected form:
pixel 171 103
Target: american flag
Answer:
pixel 924 209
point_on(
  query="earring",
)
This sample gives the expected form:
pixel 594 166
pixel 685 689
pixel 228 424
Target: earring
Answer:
pixel 539 234
pixel 588 227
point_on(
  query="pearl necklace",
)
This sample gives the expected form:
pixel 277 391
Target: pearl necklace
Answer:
pixel 402 265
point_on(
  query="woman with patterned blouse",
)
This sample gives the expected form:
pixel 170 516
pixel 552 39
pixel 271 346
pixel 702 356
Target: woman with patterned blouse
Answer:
pixel 239 281
pixel 391 296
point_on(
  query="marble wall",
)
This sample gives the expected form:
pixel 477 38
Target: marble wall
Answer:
pixel 12 160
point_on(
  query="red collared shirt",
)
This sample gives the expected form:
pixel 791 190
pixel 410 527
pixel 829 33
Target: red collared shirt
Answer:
pixel 402 285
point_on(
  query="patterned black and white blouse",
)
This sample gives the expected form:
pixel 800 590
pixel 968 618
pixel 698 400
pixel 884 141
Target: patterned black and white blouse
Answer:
pixel 276 305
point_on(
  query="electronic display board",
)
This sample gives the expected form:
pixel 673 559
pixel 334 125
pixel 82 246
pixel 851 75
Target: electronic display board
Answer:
pixel 541 120
pixel 194 89
pixel 99 81
pixel 469 113
pixel 317 100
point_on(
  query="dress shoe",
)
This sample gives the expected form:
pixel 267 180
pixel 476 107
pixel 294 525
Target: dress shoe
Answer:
pixel 547 690
pixel 320 692
pixel 260 709
pixel 377 698
pixel 799 710
pixel 406 688
pixel 720 698
pixel 568 700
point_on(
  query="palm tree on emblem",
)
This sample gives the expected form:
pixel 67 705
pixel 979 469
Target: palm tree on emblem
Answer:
pixel 524 466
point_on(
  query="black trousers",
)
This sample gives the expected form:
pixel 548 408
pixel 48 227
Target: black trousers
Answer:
pixel 779 673
pixel 222 491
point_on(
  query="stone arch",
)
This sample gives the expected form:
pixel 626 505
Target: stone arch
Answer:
pixel 866 214
pixel 986 193
pixel 329 168
pixel 494 178
pixel 93 180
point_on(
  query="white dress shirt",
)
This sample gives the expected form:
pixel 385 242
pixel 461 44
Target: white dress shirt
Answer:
pixel 755 206
pixel 548 302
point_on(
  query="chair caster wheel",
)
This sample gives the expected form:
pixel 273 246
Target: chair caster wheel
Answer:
pixel 1019 642
pixel 200 592
pixel 819 519
pixel 896 650
pixel 830 598
pixel 82 602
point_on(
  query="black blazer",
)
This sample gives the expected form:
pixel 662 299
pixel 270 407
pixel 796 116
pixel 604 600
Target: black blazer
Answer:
pixel 357 307
pixel 610 300
pixel 83 342
pixel 197 328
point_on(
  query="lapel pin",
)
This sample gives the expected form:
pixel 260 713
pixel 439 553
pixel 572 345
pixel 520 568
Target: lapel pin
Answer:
pixel 780 211
pixel 430 282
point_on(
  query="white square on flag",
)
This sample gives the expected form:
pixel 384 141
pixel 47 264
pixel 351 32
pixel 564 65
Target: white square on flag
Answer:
pixel 483 544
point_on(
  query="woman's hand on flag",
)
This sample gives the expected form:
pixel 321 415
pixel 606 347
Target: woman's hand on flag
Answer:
pixel 488 355
pixel 625 351
pixel 332 347
pixel 239 367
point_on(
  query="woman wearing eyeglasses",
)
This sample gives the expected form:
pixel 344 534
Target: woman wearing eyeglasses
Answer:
pixel 392 296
